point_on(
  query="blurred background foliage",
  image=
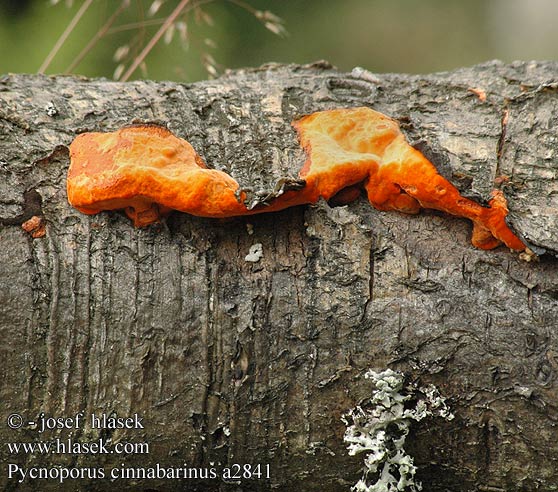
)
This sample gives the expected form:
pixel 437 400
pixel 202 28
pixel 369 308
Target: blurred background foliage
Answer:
pixel 381 35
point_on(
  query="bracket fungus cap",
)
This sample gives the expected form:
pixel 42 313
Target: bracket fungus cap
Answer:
pixel 147 171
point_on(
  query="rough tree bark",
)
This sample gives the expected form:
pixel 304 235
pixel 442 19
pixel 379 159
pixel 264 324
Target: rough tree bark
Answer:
pixel 229 361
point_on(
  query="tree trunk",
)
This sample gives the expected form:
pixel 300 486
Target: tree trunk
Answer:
pixel 228 361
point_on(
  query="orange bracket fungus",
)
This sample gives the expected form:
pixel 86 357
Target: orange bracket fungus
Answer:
pixel 148 171
pixel 35 226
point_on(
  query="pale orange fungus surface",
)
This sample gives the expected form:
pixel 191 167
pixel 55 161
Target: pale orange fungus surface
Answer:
pixel 148 171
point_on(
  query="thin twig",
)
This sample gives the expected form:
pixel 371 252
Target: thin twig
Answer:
pixel 245 6
pixel 135 25
pixel 65 35
pixel 152 22
pixel 100 33
pixel 139 59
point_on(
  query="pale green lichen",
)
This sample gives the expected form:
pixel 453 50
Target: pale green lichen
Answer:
pixel 380 425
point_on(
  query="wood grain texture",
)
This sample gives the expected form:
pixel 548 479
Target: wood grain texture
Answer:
pixel 231 361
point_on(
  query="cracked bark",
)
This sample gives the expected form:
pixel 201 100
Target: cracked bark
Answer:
pixel 229 361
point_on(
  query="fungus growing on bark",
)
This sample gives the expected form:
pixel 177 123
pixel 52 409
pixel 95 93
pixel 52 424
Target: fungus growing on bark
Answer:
pixel 148 171
pixel 362 145
pixel 35 226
